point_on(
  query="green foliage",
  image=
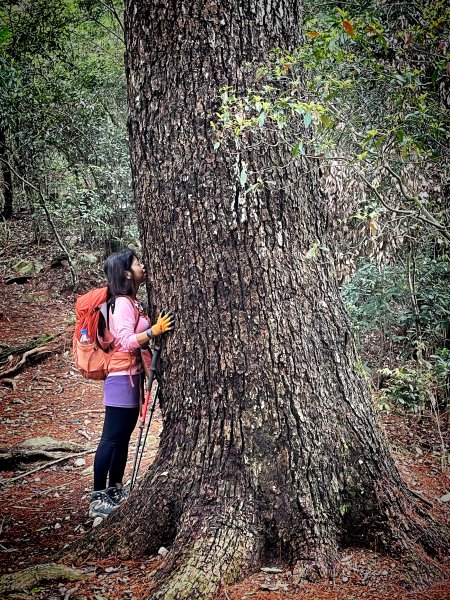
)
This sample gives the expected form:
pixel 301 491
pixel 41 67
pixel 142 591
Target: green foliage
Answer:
pixel 408 387
pixel 371 85
pixel 415 388
pixel 380 301
pixel 374 296
pixel 63 108
pixel 368 87
pixel 441 367
pixel 379 298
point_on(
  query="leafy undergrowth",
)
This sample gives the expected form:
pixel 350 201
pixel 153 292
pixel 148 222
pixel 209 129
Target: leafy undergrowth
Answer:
pixel 44 511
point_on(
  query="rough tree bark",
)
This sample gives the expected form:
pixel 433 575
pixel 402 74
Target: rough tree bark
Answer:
pixel 270 446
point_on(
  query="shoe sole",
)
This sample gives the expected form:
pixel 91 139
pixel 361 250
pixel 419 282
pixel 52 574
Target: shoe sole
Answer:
pixel 95 513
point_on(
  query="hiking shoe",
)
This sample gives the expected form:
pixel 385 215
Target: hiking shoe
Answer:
pixel 117 493
pixel 101 505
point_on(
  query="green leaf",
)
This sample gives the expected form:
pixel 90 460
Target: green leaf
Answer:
pixel 261 119
pixel 253 187
pixel 312 252
pixel 5 36
pixel 326 121
pixel 307 119
pixel 298 149
pixel 244 176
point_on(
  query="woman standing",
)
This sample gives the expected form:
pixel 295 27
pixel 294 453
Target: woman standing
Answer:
pixel 123 386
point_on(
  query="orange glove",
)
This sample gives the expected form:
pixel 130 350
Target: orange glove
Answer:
pixel 165 322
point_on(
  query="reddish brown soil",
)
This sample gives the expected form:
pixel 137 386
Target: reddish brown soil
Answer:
pixel 43 511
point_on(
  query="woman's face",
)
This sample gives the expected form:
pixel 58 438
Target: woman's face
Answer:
pixel 138 270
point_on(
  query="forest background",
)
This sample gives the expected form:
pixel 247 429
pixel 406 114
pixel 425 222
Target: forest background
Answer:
pixel 376 117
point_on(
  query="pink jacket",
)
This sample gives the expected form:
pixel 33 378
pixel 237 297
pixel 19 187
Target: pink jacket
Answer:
pixel 121 325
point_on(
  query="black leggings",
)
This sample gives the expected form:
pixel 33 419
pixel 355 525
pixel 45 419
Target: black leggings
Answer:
pixel 112 451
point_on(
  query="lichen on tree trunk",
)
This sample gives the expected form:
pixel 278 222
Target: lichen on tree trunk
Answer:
pixel 270 446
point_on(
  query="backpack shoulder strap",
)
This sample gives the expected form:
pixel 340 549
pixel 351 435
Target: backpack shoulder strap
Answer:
pixel 135 308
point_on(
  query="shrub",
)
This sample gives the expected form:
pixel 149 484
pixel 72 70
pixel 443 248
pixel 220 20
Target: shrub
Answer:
pixel 408 387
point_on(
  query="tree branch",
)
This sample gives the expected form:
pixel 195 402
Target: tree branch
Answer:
pixel 112 10
pixel 408 213
pixel 425 214
pixel 423 217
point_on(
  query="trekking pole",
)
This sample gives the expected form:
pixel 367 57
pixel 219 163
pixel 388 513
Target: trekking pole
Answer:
pixel 151 378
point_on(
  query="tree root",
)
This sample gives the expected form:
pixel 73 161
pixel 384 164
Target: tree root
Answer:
pixel 33 576
pixel 46 465
pixel 125 533
pixel 12 359
pixel 216 551
pixel 41 352
pixel 219 531
pixel 35 449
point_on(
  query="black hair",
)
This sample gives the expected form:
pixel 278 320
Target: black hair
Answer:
pixel 115 267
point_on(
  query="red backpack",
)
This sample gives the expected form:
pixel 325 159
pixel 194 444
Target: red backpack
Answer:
pixel 96 359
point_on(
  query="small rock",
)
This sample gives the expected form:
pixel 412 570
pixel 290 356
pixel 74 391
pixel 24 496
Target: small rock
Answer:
pixel 345 579
pixel 111 569
pixel 445 498
pixel 347 558
pixel 97 521
pixel 57 525
pixel 163 551
pixel 80 462
pixel 88 470
pixel 269 587
pixel 271 570
pixel 384 572
pixel 79 528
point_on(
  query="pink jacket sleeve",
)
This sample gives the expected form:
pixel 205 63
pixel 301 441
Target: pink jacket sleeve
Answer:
pixel 122 324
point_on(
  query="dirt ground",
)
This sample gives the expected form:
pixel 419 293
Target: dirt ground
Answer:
pixel 42 512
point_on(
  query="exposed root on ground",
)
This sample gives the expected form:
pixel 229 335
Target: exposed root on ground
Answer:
pixel 36 575
pixel 218 535
pixel 209 552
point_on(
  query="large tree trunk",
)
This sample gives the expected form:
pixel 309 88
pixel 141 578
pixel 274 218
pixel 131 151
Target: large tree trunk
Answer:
pixel 270 446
